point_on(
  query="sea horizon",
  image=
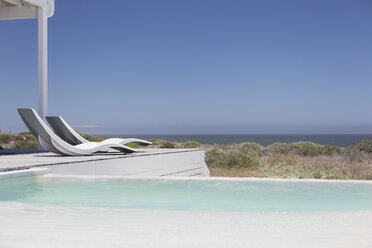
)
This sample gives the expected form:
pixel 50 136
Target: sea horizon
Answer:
pixel 340 140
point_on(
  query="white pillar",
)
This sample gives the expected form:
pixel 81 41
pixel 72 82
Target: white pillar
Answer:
pixel 43 61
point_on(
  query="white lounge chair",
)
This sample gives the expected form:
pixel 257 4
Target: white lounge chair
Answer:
pixel 53 143
pixel 68 134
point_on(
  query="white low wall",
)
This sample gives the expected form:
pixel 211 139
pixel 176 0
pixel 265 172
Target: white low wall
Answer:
pixel 190 163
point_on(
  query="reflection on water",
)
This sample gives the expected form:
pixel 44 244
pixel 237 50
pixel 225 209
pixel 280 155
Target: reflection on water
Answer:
pixel 189 195
pixel 13 189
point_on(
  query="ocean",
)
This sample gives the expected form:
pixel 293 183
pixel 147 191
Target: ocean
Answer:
pixel 340 140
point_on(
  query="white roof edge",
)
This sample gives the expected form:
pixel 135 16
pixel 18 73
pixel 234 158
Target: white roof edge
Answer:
pixel 26 11
pixel 48 4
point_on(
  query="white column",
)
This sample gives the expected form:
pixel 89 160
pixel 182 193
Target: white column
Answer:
pixel 43 61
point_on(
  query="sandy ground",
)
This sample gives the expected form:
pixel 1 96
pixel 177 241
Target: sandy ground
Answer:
pixel 29 225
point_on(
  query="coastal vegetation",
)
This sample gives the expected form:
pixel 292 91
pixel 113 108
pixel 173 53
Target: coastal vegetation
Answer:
pixel 18 141
pixel 296 160
pixel 284 160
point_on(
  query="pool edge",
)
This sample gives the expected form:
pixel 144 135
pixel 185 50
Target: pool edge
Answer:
pixel 247 179
pixel 25 173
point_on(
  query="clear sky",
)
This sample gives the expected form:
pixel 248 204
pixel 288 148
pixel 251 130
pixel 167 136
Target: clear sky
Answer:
pixel 196 66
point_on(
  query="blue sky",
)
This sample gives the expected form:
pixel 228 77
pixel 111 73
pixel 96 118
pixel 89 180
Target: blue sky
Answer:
pixel 196 66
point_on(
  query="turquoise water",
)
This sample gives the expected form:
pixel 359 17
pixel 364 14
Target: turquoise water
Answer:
pixel 189 195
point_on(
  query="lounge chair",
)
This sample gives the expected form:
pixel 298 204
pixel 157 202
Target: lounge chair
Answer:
pixel 68 134
pixel 53 143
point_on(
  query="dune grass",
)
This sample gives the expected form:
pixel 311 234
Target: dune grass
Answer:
pixel 285 160
pixel 296 160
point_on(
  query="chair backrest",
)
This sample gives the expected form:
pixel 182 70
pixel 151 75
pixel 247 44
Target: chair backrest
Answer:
pixel 65 131
pixel 38 128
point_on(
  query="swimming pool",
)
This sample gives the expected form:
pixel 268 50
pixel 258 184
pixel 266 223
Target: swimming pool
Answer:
pixel 120 212
pixel 189 195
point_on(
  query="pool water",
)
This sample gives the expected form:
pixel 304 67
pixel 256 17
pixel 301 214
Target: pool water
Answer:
pixel 189 195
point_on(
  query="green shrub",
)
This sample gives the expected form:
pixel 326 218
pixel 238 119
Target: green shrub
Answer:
pixel 231 159
pixel 156 142
pixel 167 144
pixel 132 145
pixel 282 159
pixel 279 148
pixel 92 138
pixel 5 138
pixel 363 146
pixel 252 147
pixel 162 143
pixel 191 144
pixel 331 150
pixel 304 149
pixel 358 152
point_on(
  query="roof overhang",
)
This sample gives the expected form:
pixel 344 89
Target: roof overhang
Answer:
pixel 23 9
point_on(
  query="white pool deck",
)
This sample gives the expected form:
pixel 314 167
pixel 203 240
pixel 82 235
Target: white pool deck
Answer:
pixel 145 162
